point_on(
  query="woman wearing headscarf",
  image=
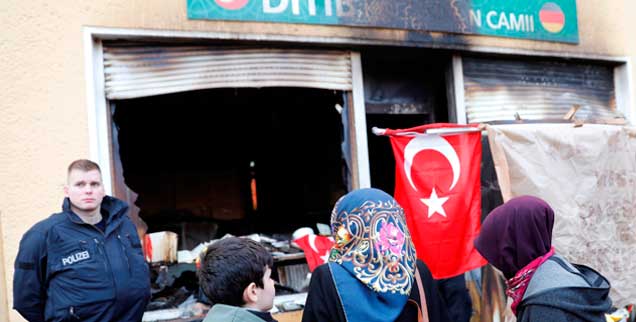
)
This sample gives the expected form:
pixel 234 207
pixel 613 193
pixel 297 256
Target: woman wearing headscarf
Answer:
pixel 516 238
pixel 372 274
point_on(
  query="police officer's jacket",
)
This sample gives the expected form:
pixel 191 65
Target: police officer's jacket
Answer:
pixel 67 270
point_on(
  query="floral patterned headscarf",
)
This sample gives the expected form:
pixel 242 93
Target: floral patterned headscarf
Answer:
pixel 373 259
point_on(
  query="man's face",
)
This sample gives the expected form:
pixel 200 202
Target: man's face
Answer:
pixel 85 190
pixel 266 294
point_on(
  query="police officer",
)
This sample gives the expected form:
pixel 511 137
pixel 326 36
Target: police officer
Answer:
pixel 84 263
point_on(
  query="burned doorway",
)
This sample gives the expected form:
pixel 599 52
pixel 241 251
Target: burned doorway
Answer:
pixel 240 138
pixel 403 87
pixel 232 160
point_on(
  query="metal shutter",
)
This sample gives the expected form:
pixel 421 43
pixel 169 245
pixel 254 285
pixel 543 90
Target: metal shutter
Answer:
pixel 132 72
pixel 496 89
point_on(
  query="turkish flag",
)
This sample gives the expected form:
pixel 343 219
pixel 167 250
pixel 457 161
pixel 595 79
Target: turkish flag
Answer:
pixel 316 249
pixel 437 182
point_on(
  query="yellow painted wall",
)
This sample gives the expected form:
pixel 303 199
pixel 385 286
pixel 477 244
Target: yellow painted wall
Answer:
pixel 4 307
pixel 43 113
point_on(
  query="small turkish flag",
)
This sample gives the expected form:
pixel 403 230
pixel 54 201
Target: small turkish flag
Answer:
pixel 437 184
pixel 147 248
pixel 316 249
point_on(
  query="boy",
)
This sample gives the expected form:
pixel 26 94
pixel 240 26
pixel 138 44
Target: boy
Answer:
pixel 235 276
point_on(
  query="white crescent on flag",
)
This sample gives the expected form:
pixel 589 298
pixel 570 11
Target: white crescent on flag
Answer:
pixel 433 142
pixel 312 242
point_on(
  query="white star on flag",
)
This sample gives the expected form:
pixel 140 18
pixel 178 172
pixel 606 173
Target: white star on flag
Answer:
pixel 325 257
pixel 435 204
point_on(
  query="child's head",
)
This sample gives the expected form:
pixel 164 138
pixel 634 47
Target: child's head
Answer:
pixel 236 271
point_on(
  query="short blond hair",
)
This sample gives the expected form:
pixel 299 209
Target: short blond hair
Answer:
pixel 83 165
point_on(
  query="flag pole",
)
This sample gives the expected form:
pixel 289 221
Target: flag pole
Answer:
pixel 444 130
pixel 378 131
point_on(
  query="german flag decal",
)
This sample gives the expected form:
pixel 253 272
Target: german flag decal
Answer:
pixel 552 17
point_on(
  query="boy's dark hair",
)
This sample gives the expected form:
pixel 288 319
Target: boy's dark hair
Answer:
pixel 229 266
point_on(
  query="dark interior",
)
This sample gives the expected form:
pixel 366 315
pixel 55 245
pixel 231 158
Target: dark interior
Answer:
pixel 239 161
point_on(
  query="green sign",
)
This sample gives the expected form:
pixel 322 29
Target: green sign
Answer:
pixel 543 20
pixel 548 20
